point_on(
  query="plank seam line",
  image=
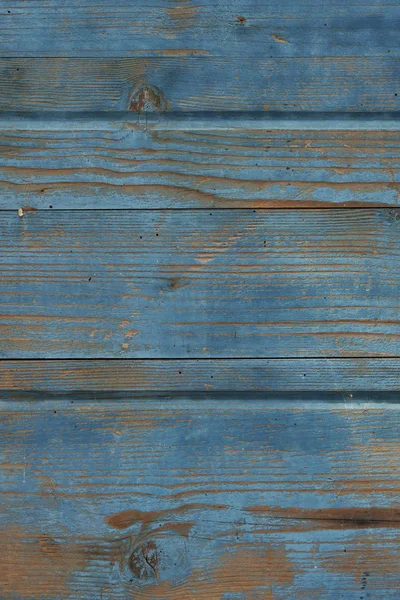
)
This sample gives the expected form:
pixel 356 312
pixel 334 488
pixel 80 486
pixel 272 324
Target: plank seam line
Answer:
pixel 140 54
pixel 204 359
pixel 333 207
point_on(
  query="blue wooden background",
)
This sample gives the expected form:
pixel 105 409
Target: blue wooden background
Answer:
pixel 199 300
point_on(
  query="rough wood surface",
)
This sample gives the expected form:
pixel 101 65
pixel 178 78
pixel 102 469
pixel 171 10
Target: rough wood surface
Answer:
pixel 178 28
pixel 129 167
pixel 101 500
pixel 232 431
pixel 348 84
pixel 200 283
pixel 206 375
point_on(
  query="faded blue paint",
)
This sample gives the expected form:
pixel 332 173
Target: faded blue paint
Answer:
pixel 218 376
pixel 238 495
pixel 200 284
pixel 358 84
pixel 89 461
pixel 195 169
pixel 213 28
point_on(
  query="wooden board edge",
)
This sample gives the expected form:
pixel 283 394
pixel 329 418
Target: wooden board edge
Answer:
pixel 202 375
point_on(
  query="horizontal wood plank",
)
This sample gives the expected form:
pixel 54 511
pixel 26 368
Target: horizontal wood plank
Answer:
pixel 130 167
pixel 218 28
pixel 103 501
pixel 206 375
pixel 348 84
pixel 200 284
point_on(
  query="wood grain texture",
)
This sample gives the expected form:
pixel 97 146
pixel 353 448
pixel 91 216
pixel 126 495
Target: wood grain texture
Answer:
pixel 190 284
pixel 105 500
pixel 206 375
pixel 348 84
pixel 133 168
pixel 239 28
pixel 214 442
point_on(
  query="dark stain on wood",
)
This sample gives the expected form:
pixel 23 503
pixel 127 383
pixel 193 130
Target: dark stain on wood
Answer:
pixel 335 518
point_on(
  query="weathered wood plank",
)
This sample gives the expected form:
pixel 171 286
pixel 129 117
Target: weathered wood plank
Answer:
pixel 133 168
pixel 347 84
pixel 206 375
pixel 239 28
pixel 190 284
pixel 176 502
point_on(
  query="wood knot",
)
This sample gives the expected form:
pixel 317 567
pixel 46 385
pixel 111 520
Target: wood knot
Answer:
pixel 147 98
pixel 174 283
pixel 143 562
